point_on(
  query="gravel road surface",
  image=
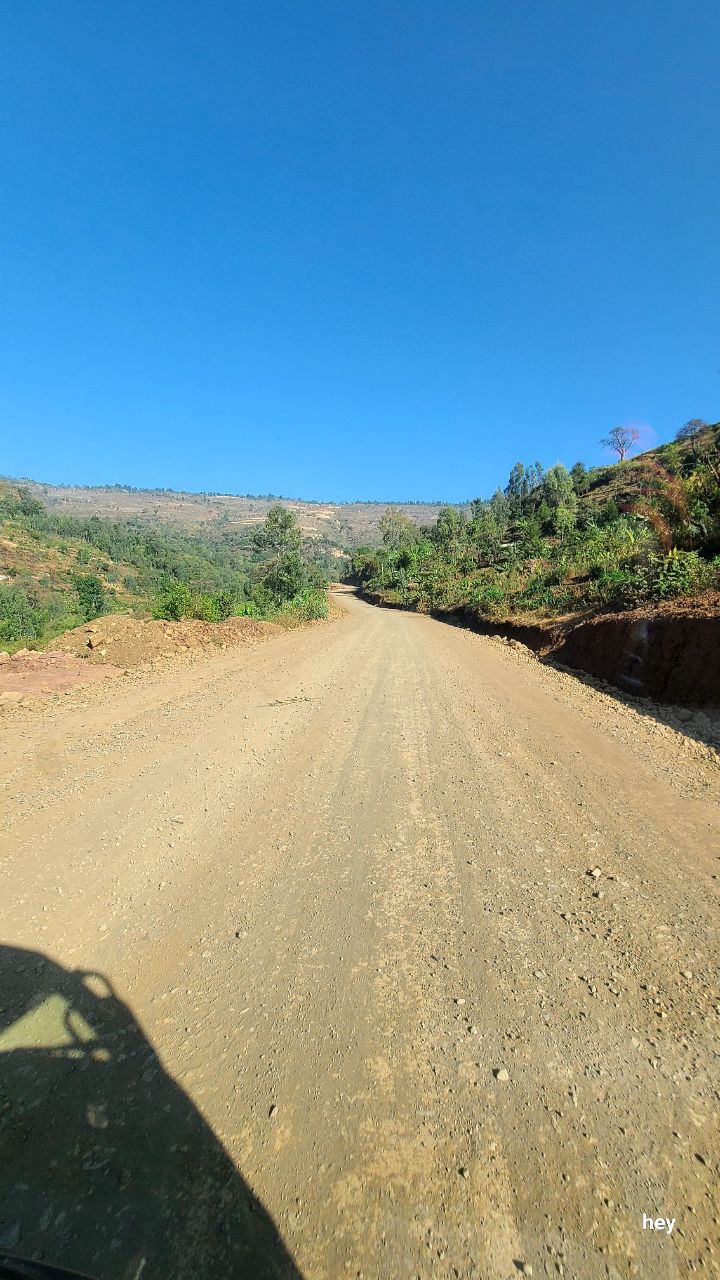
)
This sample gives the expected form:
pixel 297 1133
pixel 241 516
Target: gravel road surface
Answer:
pixel 375 950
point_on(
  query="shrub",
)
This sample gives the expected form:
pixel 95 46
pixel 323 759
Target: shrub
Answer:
pixel 618 588
pixel 21 618
pixel 680 573
pixel 489 599
pixel 307 606
pixel 91 596
pixel 174 603
pixel 247 609
pixel 313 604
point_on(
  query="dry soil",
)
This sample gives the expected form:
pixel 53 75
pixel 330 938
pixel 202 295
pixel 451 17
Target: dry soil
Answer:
pixel 377 950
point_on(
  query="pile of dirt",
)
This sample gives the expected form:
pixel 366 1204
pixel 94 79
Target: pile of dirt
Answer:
pixel 29 674
pixel 127 640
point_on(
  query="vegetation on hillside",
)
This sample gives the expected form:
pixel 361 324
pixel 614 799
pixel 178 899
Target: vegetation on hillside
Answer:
pixel 57 571
pixel 559 541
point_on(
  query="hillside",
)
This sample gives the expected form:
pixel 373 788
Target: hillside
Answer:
pixel 58 569
pixel 624 483
pixel 122 548
pixel 574 546
pixel 339 525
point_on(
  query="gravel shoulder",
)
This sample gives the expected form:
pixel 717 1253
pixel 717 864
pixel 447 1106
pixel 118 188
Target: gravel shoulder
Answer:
pixel 408 945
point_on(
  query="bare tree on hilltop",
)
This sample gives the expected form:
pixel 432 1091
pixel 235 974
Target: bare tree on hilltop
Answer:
pixel 621 440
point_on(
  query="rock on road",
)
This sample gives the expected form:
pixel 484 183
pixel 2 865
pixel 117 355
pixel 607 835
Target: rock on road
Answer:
pixel 376 950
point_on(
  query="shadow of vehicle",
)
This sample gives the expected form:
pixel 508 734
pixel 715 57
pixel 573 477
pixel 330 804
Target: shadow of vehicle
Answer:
pixel 106 1166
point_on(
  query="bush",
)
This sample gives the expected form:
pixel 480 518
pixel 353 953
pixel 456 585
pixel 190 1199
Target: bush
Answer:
pixel 618 588
pixel 282 578
pixel 174 603
pixel 680 573
pixel 489 599
pixel 21 618
pixel 313 604
pixel 212 606
pixel 306 606
pixel 90 595
pixel 178 601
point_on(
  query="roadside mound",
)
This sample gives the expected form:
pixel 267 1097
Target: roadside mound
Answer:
pixel 127 640
pixel 670 653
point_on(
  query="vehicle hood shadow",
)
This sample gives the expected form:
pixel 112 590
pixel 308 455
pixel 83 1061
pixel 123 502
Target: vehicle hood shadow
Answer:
pixel 106 1166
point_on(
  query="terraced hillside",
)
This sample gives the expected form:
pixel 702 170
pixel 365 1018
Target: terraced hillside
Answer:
pixel 345 525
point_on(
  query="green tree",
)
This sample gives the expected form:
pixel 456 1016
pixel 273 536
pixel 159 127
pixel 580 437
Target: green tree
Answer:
pixel 579 473
pixel 564 519
pixel 483 532
pixel 500 507
pixel 397 529
pixel 690 431
pixel 282 574
pixel 558 488
pixel 450 532
pixel 91 596
pixel 517 488
pixel 20 616
pixel 175 602
pixel 278 533
pixel 282 577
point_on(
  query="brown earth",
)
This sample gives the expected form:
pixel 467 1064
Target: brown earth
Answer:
pixel 29 674
pixel 118 642
pixel 130 640
pixel 349 524
pixel 379 950
pixel 670 655
pixel 668 652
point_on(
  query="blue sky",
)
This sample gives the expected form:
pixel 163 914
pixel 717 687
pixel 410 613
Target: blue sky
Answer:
pixel 353 250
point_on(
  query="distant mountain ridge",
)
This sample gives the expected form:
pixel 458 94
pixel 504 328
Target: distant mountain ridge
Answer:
pixel 346 524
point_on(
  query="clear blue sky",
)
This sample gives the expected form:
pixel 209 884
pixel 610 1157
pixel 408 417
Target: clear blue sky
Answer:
pixel 334 249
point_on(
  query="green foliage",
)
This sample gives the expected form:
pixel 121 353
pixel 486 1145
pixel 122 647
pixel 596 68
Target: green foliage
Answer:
pixel 279 534
pixel 558 488
pixel 681 573
pixel 26 618
pixel 281 578
pixel 247 609
pixel 309 606
pixel 174 602
pixel 543 547
pixel 91 597
pixel 397 529
pixel 20 616
pixel 579 476
pixel 450 532
pixel 16 503
pixel 563 522
pixel 177 601
pixel 284 583
pixel 284 577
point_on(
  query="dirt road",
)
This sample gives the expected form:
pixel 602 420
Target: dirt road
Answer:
pixel 355 1005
